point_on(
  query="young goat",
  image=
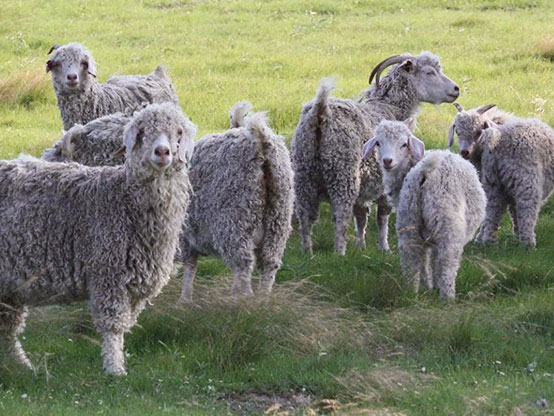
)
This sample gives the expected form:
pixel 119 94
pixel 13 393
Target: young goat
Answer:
pixel 439 204
pixel 517 170
pixel 514 157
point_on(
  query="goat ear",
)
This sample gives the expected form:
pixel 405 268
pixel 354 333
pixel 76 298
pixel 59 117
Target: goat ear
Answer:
pixel 65 142
pixel 451 135
pixel 186 149
pixel 411 123
pixel 91 66
pixel 186 143
pixel 131 136
pixel 407 65
pixel 368 148
pixel 70 138
pixel 417 147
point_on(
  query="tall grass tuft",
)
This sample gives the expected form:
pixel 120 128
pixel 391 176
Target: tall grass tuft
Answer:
pixel 293 321
pixel 380 383
pixel 25 89
pixel 545 46
pixel 463 335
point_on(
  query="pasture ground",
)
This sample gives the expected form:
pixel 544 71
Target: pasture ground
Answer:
pixel 341 335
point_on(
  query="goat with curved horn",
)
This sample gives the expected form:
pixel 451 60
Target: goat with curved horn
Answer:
pixel 327 145
pixel 395 59
pixel 458 107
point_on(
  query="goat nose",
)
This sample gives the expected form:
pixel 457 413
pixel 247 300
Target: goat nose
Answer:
pixel 464 153
pixel 72 77
pixel 456 88
pixel 161 151
pixel 387 162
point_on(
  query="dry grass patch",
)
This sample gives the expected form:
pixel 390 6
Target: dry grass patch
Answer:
pixel 381 383
pixel 25 88
pixel 545 47
pixel 295 319
pixel 360 411
pixel 269 404
pixel 495 274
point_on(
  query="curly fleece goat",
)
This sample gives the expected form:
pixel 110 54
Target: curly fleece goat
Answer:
pixel 82 99
pixel 327 144
pixel 106 234
pixel 439 204
pixel 517 170
pixel 94 144
pixel 468 125
pixel 242 204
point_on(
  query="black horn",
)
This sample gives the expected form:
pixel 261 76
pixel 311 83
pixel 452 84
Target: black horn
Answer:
pixel 396 59
pixel 53 48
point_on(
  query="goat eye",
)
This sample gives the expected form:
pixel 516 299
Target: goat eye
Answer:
pixel 404 145
pixel 179 132
pixel 84 64
pixel 377 144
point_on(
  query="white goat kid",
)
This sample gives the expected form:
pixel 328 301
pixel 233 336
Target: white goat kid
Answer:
pixel 439 204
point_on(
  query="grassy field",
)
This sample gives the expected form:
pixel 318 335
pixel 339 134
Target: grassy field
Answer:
pixel 340 334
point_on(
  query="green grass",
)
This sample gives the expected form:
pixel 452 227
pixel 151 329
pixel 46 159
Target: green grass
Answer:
pixel 345 333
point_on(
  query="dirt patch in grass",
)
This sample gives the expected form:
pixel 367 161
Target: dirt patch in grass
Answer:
pixel 270 404
pixel 290 404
